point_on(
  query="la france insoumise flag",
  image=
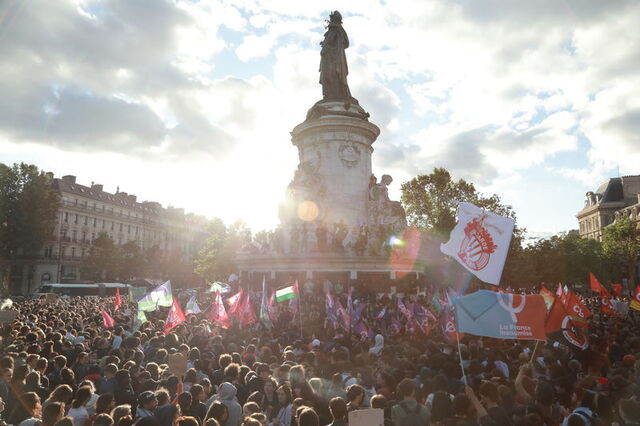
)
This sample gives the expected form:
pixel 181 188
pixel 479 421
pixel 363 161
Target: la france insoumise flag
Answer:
pixel 480 242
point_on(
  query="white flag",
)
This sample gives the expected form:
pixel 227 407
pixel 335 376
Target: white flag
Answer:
pixel 480 242
pixel 159 296
pixel 192 306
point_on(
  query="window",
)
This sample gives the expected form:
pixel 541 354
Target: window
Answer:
pixel 120 227
pixel 93 236
pixel 76 219
pixel 128 229
pixel 95 222
pixel 64 233
pixel 103 221
pixel 84 237
pixel 86 220
pixel 82 252
pixel 66 217
pixel 73 252
pixel 73 237
pixel 136 230
pixel 112 223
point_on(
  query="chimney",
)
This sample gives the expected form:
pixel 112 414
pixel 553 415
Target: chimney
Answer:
pixel 132 198
pixel 69 178
pixel 97 187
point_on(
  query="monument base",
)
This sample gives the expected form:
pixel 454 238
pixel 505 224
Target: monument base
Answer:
pixel 378 272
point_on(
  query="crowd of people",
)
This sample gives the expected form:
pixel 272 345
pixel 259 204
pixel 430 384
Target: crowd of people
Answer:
pixel 60 366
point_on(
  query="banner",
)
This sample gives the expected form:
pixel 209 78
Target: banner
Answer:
pixel 501 315
pixel 616 289
pixel 159 296
pixel 234 302
pixel 480 242
pixel 577 309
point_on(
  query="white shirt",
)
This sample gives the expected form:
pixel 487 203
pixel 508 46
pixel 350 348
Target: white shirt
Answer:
pixel 79 415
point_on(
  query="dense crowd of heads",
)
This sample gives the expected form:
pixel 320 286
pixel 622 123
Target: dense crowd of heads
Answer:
pixel 60 366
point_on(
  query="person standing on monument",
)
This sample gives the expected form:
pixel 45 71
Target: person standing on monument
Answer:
pixel 333 61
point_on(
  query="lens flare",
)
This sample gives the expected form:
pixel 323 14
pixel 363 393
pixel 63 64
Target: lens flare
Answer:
pixel 308 211
pixel 404 252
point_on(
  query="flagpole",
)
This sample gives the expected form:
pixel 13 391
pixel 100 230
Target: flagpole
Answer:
pixel 535 348
pixel 300 313
pixel 464 377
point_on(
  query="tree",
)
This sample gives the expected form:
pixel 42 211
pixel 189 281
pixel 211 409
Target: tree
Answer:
pixel 621 241
pixel 430 201
pixel 130 262
pixel 215 259
pixel 102 263
pixel 28 209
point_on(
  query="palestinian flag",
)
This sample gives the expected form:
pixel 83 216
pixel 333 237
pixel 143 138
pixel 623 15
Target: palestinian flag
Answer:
pixel 635 302
pixel 287 293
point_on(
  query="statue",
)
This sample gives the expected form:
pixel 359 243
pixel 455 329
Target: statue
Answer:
pixel 383 211
pixel 333 61
pixel 321 236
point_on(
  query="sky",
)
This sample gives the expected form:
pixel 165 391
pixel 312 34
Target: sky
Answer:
pixel 190 103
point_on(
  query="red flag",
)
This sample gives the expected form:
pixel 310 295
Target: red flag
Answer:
pixel 107 321
pixel 246 314
pixel 559 290
pixel 547 296
pixel 606 305
pixel 218 314
pixel 118 300
pixel 234 302
pixel 597 287
pixel 175 317
pixel 617 289
pixel 559 321
pixel 577 309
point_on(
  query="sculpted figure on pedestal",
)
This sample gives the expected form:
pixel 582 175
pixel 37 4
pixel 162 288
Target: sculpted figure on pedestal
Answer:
pixel 333 61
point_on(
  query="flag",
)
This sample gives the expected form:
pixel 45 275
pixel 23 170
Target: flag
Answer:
pixel 234 302
pixel 501 315
pixel 597 287
pixel 140 319
pixel 245 313
pixel 381 313
pixel 559 325
pixel 159 296
pixel 192 306
pixel 287 293
pixel 175 317
pixel 547 296
pixel 480 242
pixel 118 300
pixel 350 302
pixel 559 290
pixel 404 309
pixel 578 311
pixel 331 310
pixel 357 312
pixel 265 318
pixel 363 331
pixel 616 289
pixel 635 302
pixel 107 321
pixel 607 306
pixel 346 318
pixel 271 308
pixel 293 306
pixel 218 314
pixel 223 288
pixel 448 324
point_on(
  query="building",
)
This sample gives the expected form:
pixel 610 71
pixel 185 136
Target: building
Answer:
pixel 613 198
pixel 85 212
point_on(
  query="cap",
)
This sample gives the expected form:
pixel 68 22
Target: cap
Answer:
pixel 315 343
pixel 146 397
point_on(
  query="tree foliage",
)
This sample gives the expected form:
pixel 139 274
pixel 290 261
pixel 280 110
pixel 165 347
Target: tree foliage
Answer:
pixel 215 259
pixel 621 242
pixel 430 201
pixel 27 212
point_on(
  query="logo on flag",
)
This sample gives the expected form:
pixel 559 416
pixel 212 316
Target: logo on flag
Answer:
pixel 501 315
pixel 480 242
pixel 477 246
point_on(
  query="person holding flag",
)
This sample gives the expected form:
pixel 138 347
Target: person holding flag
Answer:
pixel 175 317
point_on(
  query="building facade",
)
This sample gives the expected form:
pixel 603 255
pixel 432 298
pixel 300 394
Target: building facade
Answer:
pixel 615 197
pixel 87 211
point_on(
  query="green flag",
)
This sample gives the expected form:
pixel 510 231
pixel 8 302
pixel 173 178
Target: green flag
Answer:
pixel 159 296
pixel 136 293
pixel 141 318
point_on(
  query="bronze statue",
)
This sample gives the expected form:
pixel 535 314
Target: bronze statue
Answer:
pixel 333 61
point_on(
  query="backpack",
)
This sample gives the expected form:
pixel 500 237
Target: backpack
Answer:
pixel 412 417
